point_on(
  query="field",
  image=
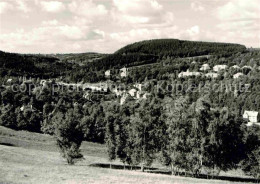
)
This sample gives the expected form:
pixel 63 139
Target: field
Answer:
pixel 33 158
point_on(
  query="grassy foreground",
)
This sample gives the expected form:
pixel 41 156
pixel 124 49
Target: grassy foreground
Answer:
pixel 33 158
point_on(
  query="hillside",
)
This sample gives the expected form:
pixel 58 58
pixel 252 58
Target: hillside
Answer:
pixel 151 51
pixel 12 64
pixel 78 58
pixel 181 48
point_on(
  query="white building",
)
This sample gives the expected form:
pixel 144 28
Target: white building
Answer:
pixel 211 75
pixel 132 92
pixel 28 107
pixel 205 67
pixel 118 91
pixel 138 94
pixel 218 68
pixel 9 80
pixel 188 74
pixel 237 75
pixel 235 67
pixel 107 73
pixel 123 72
pixel 138 86
pixel 247 67
pixel 251 116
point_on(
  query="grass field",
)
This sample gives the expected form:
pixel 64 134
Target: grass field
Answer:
pixel 33 158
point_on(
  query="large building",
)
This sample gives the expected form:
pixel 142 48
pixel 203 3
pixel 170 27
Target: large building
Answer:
pixel 205 67
pixel 218 68
pixel 237 75
pixel 123 72
pixel 107 73
pixel 188 74
pixel 252 117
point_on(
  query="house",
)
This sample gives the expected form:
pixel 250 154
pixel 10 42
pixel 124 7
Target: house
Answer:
pixel 211 75
pixel 237 75
pixel 123 72
pixel 188 74
pixel 102 87
pixel 251 116
pixel 138 94
pixel 138 86
pixel 247 67
pixel 118 91
pixel 205 67
pixel 218 68
pixel 107 73
pixel 132 92
pixel 235 67
pixel 29 107
pixel 9 81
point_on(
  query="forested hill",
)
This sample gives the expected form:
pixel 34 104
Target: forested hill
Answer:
pixel 78 58
pixel 91 66
pixel 151 51
pixel 180 48
pixel 12 64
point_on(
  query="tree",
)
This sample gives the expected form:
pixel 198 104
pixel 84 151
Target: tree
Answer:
pixel 222 153
pixel 8 117
pixel 69 135
pixel 173 152
pixel 200 117
pixel 122 137
pixel 110 137
pixel 145 132
pixel 251 163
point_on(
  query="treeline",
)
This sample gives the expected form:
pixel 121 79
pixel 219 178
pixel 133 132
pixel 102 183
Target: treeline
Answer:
pixel 181 48
pixel 187 137
pixel 78 58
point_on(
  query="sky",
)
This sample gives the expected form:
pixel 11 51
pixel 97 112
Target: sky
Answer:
pixel 76 26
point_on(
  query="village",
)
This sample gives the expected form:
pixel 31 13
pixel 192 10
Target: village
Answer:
pixel 136 91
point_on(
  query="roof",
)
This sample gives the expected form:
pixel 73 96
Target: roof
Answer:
pixel 185 74
pixel 205 67
pixel 237 75
pixel 217 67
pixel 249 67
pixel 251 113
pixel 235 66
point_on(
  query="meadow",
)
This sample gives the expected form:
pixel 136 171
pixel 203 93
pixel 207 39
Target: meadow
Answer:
pixel 27 157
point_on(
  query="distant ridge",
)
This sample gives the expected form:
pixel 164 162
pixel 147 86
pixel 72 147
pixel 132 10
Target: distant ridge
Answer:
pixel 180 48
